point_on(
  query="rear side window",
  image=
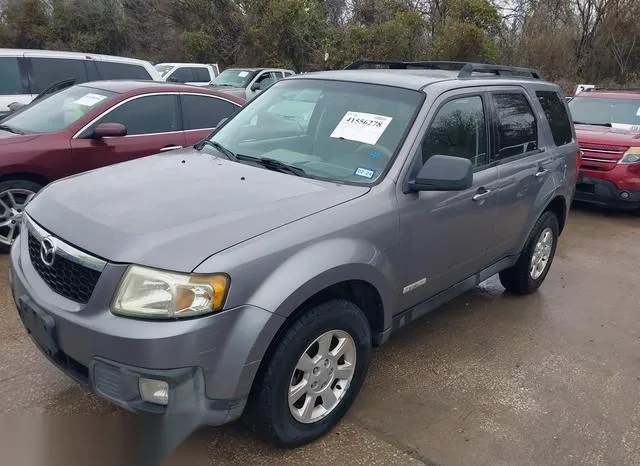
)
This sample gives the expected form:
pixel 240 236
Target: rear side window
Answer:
pixel 199 112
pixel 517 131
pixel 116 70
pixel 182 75
pixel 48 71
pixel 202 75
pixel 146 115
pixel 10 82
pixel 556 113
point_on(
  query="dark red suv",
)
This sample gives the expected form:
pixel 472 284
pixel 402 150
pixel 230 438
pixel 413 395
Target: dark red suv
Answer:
pixel 96 124
pixel 608 132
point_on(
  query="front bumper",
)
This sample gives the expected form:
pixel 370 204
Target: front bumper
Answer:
pixel 209 363
pixel 605 193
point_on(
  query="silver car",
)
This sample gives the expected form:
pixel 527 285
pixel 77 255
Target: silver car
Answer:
pixel 251 274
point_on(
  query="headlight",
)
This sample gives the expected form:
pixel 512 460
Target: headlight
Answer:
pixel 631 156
pixel 157 294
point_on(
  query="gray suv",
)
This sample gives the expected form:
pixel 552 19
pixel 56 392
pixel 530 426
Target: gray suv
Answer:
pixel 252 274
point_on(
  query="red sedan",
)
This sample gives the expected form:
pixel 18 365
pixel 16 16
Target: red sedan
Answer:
pixel 96 124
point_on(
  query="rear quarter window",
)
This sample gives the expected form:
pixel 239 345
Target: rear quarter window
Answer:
pixel 557 116
pixel 48 71
pixel 116 70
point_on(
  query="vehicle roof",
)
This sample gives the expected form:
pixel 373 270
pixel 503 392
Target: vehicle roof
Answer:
pixel 613 93
pixel 63 54
pixel 414 79
pixel 141 87
pixel 249 68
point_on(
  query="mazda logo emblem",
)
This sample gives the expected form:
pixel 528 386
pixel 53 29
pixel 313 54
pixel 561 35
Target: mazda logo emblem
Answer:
pixel 48 251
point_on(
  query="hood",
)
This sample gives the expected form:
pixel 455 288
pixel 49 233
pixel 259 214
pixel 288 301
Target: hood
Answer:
pixel 603 135
pixel 7 137
pixel 174 210
pixel 236 91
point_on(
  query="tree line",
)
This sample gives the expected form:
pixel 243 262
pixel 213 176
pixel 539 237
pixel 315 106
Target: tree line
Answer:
pixel 568 41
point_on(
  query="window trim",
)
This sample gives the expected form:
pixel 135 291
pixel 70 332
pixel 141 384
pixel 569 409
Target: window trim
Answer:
pixel 200 94
pixel 496 162
pixel 129 99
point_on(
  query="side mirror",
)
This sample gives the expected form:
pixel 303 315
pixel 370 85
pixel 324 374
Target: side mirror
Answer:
pixel 444 173
pixel 174 80
pixel 109 130
pixel 256 86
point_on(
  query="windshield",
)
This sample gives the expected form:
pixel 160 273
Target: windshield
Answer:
pixel 164 69
pixel 234 77
pixel 615 112
pixel 57 111
pixel 332 130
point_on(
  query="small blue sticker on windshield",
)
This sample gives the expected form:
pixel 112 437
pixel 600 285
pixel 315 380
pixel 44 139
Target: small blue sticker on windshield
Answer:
pixel 365 172
pixel 375 154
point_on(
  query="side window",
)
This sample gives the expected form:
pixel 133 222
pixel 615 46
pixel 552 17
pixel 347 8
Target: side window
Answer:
pixel 117 70
pixel 10 82
pixel 182 75
pixel 556 113
pixel 517 127
pixel 266 80
pixel 459 130
pixel 199 112
pixel 202 75
pixel 48 71
pixel 146 115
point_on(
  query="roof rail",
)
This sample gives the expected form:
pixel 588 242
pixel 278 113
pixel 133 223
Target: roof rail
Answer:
pixel 613 89
pixel 465 69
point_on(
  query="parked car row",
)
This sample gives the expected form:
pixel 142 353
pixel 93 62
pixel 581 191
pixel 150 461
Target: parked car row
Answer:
pixel 250 275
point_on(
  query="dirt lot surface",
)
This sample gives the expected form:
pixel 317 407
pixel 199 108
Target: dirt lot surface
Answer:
pixel 553 378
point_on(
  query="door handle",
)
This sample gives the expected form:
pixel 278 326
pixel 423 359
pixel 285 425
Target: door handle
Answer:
pixel 481 194
pixel 541 172
pixel 166 148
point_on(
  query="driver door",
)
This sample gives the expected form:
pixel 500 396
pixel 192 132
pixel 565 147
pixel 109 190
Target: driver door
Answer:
pixel 446 233
pixel 153 125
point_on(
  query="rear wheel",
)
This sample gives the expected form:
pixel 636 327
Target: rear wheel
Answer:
pixel 529 272
pixel 313 376
pixel 14 197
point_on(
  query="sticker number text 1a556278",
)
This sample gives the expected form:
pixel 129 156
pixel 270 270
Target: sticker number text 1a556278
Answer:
pixel 361 127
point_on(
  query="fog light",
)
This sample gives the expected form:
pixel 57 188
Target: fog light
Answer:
pixel 624 195
pixel 154 391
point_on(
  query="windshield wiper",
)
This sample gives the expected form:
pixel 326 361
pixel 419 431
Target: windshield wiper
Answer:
pixel 608 125
pixel 273 164
pixel 10 129
pixel 219 147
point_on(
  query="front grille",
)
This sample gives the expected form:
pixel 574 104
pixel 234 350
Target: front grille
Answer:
pixel 67 278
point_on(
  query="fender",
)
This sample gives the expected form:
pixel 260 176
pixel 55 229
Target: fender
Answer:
pixel 322 265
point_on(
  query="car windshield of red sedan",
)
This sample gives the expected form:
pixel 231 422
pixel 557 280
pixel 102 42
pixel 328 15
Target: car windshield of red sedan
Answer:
pixel 616 113
pixel 57 111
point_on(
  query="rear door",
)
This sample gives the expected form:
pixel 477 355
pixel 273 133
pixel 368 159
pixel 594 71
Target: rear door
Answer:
pixel 202 113
pixel 525 160
pixel 153 123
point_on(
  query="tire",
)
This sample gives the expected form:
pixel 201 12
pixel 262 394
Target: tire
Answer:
pixel 519 279
pixel 19 190
pixel 268 411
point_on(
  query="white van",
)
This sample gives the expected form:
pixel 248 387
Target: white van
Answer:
pixel 197 74
pixel 26 73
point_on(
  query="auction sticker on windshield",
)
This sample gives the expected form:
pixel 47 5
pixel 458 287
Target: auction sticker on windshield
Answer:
pixel 361 127
pixel 89 100
pixel 243 74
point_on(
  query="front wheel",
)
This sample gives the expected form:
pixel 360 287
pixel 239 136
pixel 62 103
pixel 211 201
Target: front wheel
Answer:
pixel 313 376
pixel 14 197
pixel 532 267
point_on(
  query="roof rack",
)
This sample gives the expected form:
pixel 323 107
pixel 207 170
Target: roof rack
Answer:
pixel 465 69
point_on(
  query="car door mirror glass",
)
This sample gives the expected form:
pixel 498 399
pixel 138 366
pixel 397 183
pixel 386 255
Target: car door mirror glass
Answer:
pixel 444 173
pixel 109 130
pixel 256 86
